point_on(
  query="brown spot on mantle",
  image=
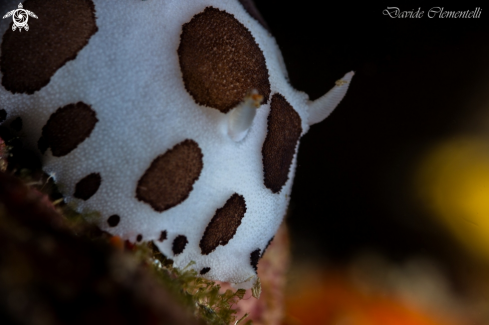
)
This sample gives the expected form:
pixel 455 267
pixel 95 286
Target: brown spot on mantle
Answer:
pixel 67 128
pixel 223 226
pixel 169 179
pixel 30 59
pixel 220 60
pixel 87 186
pixel 284 131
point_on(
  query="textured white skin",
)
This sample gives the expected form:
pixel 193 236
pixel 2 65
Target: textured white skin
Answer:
pixel 130 75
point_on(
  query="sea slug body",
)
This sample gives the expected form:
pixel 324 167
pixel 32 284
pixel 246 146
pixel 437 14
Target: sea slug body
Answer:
pixel 174 120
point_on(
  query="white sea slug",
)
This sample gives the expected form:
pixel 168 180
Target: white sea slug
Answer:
pixel 173 119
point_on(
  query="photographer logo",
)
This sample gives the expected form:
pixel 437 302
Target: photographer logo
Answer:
pixel 20 17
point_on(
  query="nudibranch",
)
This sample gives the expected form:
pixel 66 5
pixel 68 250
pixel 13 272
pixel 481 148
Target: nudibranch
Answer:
pixel 173 119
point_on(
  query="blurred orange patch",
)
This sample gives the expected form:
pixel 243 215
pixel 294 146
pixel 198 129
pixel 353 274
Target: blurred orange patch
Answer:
pixel 332 299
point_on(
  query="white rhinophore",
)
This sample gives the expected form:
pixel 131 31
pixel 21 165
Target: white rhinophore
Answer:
pixel 320 108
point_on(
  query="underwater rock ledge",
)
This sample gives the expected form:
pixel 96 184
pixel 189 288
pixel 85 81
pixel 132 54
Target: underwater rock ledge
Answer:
pixel 52 273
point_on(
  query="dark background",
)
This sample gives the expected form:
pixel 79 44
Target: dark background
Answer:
pixel 414 77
